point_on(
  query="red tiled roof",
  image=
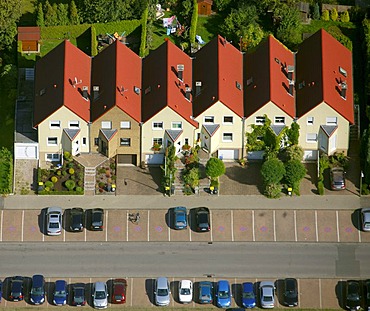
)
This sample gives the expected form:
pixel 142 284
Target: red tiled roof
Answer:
pixel 54 82
pixel 117 71
pixel 161 86
pixel 219 66
pixel 265 77
pixel 29 33
pixel 319 60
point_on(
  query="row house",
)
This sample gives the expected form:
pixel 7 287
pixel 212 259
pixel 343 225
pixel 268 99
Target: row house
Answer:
pixel 123 106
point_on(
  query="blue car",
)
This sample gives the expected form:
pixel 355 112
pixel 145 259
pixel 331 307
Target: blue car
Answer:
pixel 180 216
pixel 60 293
pixel 205 292
pixel 248 296
pixel 223 294
pixel 38 289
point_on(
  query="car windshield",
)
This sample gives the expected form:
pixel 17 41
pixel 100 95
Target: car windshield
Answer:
pixel 54 225
pixel 100 295
pixel 77 218
pixel 267 298
pixel 118 297
pixel 96 217
pixel 290 293
pixel 248 295
pixel 223 294
pixel 185 291
pixel 162 292
pixel 60 293
pixel 37 291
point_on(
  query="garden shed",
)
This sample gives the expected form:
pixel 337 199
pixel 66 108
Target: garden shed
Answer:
pixel 205 7
pixel 30 39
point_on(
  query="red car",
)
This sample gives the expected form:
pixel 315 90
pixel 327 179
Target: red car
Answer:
pixel 119 291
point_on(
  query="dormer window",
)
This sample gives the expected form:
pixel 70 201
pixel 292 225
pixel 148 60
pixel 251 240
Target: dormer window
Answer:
pixel 238 86
pixel 343 71
pixel 180 71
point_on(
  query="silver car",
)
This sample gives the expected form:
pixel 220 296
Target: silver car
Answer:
pixel 267 294
pixel 100 295
pixel 162 292
pixel 54 221
pixel 365 217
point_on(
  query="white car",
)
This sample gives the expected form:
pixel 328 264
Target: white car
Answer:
pixel 267 293
pixel 365 217
pixel 100 295
pixel 54 221
pixel 185 291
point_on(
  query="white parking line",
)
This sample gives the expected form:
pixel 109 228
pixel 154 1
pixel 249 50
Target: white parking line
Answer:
pixel 148 224
pixel 132 289
pixel 106 226
pixel 22 225
pixel 359 231
pixel 64 230
pixel 253 234
pixel 232 226
pixel 317 233
pixel 299 300
pixel 274 218
pixel 1 231
pixel 126 226
pixel 169 226
pixel 320 294
pixel 211 227
pixel 295 225
pixel 85 233
pixel 193 300
pixel 336 214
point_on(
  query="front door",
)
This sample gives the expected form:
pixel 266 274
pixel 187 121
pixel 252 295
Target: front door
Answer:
pixel 76 147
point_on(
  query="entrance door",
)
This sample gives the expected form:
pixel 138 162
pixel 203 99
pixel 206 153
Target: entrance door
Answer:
pixel 76 147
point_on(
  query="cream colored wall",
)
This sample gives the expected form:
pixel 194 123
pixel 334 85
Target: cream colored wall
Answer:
pixel 167 116
pixel 319 113
pixel 219 110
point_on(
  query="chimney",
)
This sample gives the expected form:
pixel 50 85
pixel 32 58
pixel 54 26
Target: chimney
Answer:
pixel 343 91
pixel 85 94
pixel 187 93
pixel 180 71
pixel 95 92
pixel 290 72
pixel 198 88
pixel 291 87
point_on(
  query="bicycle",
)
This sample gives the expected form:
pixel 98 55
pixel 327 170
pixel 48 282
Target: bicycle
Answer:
pixel 134 218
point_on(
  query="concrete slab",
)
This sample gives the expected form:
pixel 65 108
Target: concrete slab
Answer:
pixel 284 225
pixel 327 226
pixel 158 228
pixel 31 228
pixel 12 226
pixel 306 226
pixel 221 225
pixel 116 225
pixel 328 294
pixel 139 232
pixel 242 225
pixel 142 292
pixel 309 294
pixel 347 231
pixel 264 225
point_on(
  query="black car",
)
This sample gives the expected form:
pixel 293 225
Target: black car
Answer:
pixel 202 219
pixel 366 292
pixel 290 292
pixel 97 218
pixel 77 216
pixel 16 288
pixel 78 295
pixel 353 297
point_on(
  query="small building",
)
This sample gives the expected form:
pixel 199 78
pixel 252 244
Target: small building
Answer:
pixel 304 11
pixel 205 7
pixel 30 39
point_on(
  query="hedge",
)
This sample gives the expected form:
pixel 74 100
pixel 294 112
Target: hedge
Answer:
pixel 144 21
pixel 6 171
pixel 63 32
pixel 43 192
pixel 94 42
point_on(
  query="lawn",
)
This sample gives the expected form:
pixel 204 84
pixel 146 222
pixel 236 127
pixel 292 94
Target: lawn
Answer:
pixel 7 104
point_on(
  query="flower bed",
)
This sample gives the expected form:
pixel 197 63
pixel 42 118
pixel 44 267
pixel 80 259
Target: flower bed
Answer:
pixel 106 177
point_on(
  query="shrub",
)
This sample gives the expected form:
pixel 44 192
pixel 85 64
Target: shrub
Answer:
pixel 67 156
pixel 101 170
pixel 325 15
pixel 344 17
pixel 71 171
pixel 59 172
pixel 320 187
pixel 47 189
pixel 112 166
pixel 54 179
pixel 272 171
pixel 101 184
pixel 73 177
pixel 70 164
pixel 49 184
pixel 80 183
pixel 79 190
pixel 64 173
pixel 214 183
pixel 334 14
pixel 70 184
pixel 215 167
pixel 273 191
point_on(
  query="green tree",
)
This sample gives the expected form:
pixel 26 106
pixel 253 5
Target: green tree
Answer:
pixel 194 22
pixel 272 171
pixel 40 16
pixel 62 13
pixel 334 14
pixel 51 17
pixel 222 5
pixel 293 133
pixel 289 29
pixel 294 173
pixel 9 76
pixel 344 17
pixel 94 45
pixel 10 12
pixel 215 168
pixel 252 36
pixel 144 20
pixel 73 14
pixel 316 11
pixel 294 152
pixel 325 15
pixel 185 11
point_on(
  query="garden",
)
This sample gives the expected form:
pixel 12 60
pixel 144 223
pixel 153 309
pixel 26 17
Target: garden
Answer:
pixel 106 178
pixel 6 171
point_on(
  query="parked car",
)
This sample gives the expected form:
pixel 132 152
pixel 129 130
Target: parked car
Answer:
pixel 77 217
pixel 366 291
pixel 180 218
pixel 337 178
pixel 267 294
pixel 202 219
pixel 16 288
pixel 97 219
pixel 100 295
pixel 223 294
pixel 248 296
pixel 205 292
pixel 78 295
pixel 54 221
pixel 290 292
pixel 185 291
pixel 353 296
pixel 365 217
pixel 162 291
pixel 37 295
pixel 60 293
pixel 119 291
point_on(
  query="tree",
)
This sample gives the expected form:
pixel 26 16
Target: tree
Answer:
pixel 62 14
pixel 194 22
pixel 272 171
pixel 289 29
pixel 294 173
pixel 293 133
pixel 10 12
pixel 215 168
pixel 294 152
pixel 325 15
pixel 344 17
pixel 40 16
pixel 51 18
pixel 316 11
pixel 185 11
pixel 74 18
pixel 221 5
pixel 252 36
pixel 334 14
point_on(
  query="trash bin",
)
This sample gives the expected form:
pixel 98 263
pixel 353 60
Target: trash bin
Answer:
pixel 215 190
pixel 172 189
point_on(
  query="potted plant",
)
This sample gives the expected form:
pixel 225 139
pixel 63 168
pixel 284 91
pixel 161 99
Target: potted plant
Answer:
pixel 242 161
pixel 156 147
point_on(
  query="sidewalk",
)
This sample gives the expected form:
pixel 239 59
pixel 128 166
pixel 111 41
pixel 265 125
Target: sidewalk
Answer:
pixel 338 202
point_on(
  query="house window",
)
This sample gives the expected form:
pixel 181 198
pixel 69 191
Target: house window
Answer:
pixel 238 86
pixel 73 124
pixel 279 120
pixel 310 120
pixel 54 124
pixel 259 120
pixel 52 141
pixel 228 120
pixel 125 142
pixel 84 141
pixel 186 141
pixel 106 125
pixel 209 119
pixel 311 137
pixel 96 141
pixel 176 125
pixel 157 125
pixel 227 137
pixel 158 141
pixel 52 157
pixel 331 121
pixel 125 124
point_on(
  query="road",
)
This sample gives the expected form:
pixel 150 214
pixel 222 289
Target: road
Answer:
pixel 142 259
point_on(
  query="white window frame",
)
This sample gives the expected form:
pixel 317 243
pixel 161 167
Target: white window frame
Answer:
pixel 73 124
pixel 228 123
pixel 228 135
pixel 125 125
pixel 277 120
pixel 158 140
pixel 107 125
pixel 259 120
pixel 54 125
pixel 156 125
pixel 125 145
pixel 311 138
pixel 52 138
pixel 173 127
pixel 310 120
pixel 331 121
pixel 209 117
pixel 54 157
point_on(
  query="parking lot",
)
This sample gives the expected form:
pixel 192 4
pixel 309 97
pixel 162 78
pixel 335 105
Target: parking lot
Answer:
pixel 226 225
pixel 313 293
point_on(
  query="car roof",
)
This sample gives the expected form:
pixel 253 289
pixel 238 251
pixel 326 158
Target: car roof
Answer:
pixel 290 283
pixel 60 284
pixel 223 285
pixel 100 286
pixel 186 283
pixel 162 282
pixel 37 280
pixel 248 286
pixel 97 209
